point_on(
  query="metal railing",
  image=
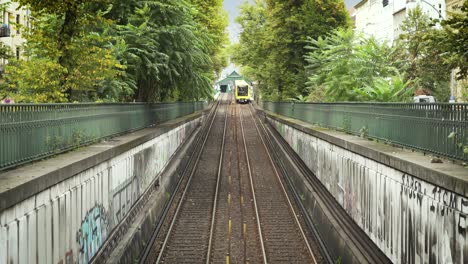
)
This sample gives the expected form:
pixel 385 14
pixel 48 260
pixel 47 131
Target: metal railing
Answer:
pixel 441 129
pixel 34 131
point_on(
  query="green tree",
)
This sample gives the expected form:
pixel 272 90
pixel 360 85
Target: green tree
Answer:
pixel 167 55
pixel 421 54
pixel 251 51
pixel 346 67
pixel 280 29
pixel 89 61
pixel 70 16
pixel 35 81
pixel 115 50
pixel 213 20
pixel 454 41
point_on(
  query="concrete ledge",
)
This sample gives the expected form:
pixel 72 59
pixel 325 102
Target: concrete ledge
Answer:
pixel 21 183
pixel 447 175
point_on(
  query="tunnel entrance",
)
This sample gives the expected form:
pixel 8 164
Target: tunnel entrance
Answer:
pixel 224 88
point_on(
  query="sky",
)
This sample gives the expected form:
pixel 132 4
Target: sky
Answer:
pixel 232 7
pixel 351 3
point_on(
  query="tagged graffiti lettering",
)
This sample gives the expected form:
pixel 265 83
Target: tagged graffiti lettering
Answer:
pixel 446 198
pixel 462 221
pixel 92 233
pixel 412 188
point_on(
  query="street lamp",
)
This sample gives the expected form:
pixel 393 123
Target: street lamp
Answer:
pixel 433 7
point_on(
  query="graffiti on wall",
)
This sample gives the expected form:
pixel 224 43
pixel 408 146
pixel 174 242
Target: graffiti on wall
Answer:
pixel 111 190
pixel 92 233
pixel 136 174
pixel 123 199
pixel 410 220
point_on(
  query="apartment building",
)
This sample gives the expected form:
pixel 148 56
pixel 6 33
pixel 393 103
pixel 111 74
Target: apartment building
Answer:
pixel 12 16
pixel 382 18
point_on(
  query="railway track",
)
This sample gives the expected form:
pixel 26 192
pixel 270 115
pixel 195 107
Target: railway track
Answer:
pixel 361 241
pixel 158 245
pixel 284 237
pixel 232 207
pixel 237 239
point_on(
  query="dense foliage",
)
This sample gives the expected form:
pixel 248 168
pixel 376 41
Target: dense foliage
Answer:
pixel 272 43
pixel 119 50
pixel 429 50
pixel 419 52
pixel 346 67
pixel 303 50
pixel 455 40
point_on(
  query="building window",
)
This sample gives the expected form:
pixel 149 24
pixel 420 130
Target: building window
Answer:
pixel 17 53
pixel 385 3
pixel 18 25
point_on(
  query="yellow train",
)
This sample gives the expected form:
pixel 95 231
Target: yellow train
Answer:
pixel 242 91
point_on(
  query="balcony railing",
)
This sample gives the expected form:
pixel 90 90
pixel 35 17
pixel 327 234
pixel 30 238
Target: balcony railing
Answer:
pixel 34 131
pixel 441 129
pixel 5 31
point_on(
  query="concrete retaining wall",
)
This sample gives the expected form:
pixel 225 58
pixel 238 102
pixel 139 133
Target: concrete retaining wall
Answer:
pixel 411 220
pixel 68 222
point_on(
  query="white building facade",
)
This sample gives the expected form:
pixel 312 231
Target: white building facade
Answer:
pixel 382 18
pixel 13 21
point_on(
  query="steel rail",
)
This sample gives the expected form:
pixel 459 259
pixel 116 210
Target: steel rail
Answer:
pixel 249 170
pixel 362 242
pixel 98 258
pixel 179 206
pixel 230 188
pixel 218 180
pixel 156 231
pixel 293 212
pixel 241 186
pixel 310 223
pixel 229 191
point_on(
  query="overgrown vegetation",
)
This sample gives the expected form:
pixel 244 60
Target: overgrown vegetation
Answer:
pixel 346 67
pixel 306 51
pixel 272 43
pixel 170 50
pixel 119 50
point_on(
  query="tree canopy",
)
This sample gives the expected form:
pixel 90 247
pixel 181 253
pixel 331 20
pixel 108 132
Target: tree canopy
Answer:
pixel 273 39
pixel 344 66
pixel 115 50
pixel 172 50
pixel 455 40
pixel 302 50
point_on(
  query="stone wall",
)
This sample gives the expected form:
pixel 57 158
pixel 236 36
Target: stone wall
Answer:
pixel 409 219
pixel 70 221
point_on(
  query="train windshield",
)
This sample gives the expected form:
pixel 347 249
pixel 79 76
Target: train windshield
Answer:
pixel 242 90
